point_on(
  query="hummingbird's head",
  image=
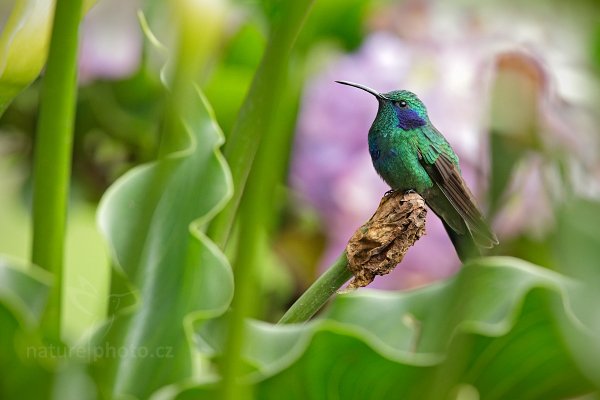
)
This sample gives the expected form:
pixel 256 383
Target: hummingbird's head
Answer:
pixel 407 110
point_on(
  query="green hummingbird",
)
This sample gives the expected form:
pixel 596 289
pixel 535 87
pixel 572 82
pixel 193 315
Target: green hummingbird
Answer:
pixel 410 154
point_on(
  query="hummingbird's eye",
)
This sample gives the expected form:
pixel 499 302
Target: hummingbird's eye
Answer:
pixel 401 103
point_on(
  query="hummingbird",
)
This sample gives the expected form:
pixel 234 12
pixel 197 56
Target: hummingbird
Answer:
pixel 410 154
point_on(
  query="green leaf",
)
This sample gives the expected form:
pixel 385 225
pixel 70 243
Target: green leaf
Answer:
pixel 23 290
pixel 153 218
pixel 261 105
pixel 490 332
pixel 24 359
pixel 23 46
pixel 576 246
pixel 341 21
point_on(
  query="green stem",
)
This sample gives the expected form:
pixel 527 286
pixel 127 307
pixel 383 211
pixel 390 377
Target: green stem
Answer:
pixel 319 292
pixel 244 301
pixel 256 220
pixel 54 143
pixel 260 106
pixel 267 112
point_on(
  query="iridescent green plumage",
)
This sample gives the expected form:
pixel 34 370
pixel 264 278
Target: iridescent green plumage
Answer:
pixel 409 153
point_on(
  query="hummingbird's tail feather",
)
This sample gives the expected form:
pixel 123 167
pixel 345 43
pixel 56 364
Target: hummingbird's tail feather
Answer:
pixel 483 235
pixel 467 238
pixel 465 246
pixel 446 174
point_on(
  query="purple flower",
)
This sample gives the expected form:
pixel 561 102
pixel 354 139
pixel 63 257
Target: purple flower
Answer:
pixel 111 44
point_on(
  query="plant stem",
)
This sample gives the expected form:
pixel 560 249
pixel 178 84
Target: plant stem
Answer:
pixel 265 113
pixel 244 300
pixel 376 248
pixel 256 221
pixel 319 292
pixel 259 108
pixel 52 162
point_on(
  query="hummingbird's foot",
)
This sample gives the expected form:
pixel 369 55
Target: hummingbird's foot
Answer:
pixel 409 191
pixel 389 192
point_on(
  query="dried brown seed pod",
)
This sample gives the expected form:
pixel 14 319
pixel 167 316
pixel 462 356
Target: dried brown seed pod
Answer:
pixel 380 244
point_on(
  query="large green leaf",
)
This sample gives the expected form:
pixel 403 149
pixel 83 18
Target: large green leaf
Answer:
pixel 576 244
pixel 338 21
pixel 24 358
pixel 24 44
pixel 490 332
pixel 153 219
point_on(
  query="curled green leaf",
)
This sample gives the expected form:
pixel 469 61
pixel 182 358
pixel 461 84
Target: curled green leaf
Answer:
pixel 490 330
pixel 153 218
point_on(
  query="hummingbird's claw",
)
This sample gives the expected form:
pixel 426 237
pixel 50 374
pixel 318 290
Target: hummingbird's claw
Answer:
pixel 409 191
pixel 389 192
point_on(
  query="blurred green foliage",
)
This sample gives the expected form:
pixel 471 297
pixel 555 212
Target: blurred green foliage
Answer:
pixel 501 328
pixel 492 329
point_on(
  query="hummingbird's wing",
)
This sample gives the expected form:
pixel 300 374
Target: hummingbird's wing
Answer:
pixel 446 175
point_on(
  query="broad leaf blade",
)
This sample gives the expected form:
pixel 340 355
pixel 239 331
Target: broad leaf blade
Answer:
pixel 490 330
pixel 152 219
pixel 24 357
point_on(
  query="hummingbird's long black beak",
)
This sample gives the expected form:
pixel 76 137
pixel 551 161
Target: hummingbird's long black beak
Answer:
pixel 365 88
